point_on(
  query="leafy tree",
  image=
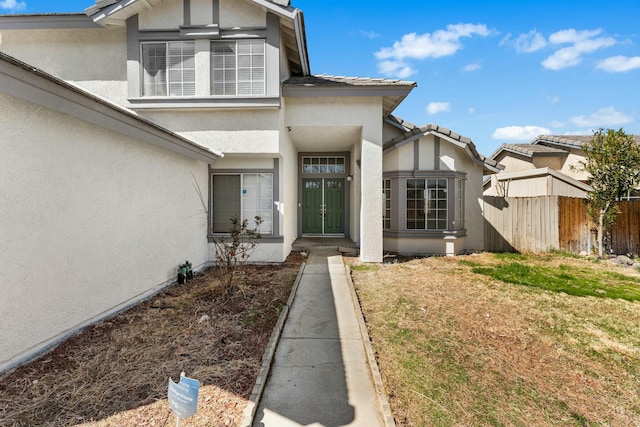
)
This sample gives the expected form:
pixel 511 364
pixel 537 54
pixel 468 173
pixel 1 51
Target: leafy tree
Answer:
pixel 612 159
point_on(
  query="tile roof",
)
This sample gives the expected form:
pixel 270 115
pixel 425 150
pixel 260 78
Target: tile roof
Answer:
pixel 393 92
pixel 532 150
pixel 328 80
pixel 431 127
pixel 572 140
pixel 490 165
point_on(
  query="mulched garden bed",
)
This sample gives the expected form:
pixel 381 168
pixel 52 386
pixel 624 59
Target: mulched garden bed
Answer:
pixel 115 373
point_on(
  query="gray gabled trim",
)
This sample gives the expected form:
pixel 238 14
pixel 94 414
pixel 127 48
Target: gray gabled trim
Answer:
pixel 436 153
pixel 26 82
pixel 488 165
pixel 105 16
pixel 216 12
pixel 47 22
pixel 346 90
pixel 186 12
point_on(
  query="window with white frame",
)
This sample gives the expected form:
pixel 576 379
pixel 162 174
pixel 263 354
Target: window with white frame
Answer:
pixel 427 204
pixel 168 68
pixel 386 204
pixel 238 67
pixel 323 164
pixel 245 196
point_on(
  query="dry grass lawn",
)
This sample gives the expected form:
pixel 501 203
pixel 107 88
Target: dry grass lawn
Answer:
pixel 456 348
pixel 116 372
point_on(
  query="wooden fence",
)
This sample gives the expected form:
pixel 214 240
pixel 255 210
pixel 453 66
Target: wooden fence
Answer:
pixel 537 224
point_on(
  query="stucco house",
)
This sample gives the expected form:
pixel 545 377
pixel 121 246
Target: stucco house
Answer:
pixel 544 167
pixel 111 120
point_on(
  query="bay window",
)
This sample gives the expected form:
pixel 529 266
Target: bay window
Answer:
pixel 427 204
pixel 386 204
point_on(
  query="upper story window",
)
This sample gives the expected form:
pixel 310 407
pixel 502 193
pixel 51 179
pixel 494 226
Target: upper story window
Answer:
pixel 168 69
pixel 238 67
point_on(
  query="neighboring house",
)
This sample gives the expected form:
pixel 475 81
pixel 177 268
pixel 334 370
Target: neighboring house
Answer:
pixel 113 119
pixel 544 167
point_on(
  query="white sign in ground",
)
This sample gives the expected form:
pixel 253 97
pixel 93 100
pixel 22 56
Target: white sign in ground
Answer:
pixel 183 396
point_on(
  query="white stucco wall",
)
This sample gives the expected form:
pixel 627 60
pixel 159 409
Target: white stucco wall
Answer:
pixel 232 131
pixel 473 217
pixel 75 55
pixel 573 159
pixel 236 13
pixel 168 14
pixel 92 221
pixel 515 163
pixel 399 159
pixel 364 112
pixel 451 159
pixel 288 208
pixel 426 246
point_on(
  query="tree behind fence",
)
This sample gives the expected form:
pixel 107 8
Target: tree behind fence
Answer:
pixel 537 224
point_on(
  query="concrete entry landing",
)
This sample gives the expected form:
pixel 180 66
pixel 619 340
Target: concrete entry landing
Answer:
pixel 339 244
pixel 321 374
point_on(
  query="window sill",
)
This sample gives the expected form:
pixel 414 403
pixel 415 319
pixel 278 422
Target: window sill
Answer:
pixel 262 239
pixel 173 102
pixel 424 234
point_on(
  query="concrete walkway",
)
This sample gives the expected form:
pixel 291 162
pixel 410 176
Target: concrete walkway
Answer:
pixel 320 375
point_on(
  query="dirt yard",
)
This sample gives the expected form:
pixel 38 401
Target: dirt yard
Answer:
pixel 116 373
pixel 457 348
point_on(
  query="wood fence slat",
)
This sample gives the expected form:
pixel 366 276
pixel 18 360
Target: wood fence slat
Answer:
pixel 520 224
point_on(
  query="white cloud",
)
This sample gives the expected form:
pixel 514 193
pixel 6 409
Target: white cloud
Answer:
pixel 429 45
pixel 519 133
pixel 471 67
pixel 557 124
pixel 471 110
pixel 530 42
pixel 582 42
pixel 619 64
pixel 579 132
pixel 369 34
pixel 554 99
pixel 604 117
pixel 438 107
pixel 12 5
pixel 399 69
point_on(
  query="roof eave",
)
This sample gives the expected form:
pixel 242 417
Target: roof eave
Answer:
pixel 46 21
pixel 489 166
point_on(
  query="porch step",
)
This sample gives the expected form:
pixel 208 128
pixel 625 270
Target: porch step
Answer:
pixel 342 245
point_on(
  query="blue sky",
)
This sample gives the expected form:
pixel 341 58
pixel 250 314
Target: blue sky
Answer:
pixel 495 71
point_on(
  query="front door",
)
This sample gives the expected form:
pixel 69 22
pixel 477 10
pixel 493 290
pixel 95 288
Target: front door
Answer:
pixel 323 206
